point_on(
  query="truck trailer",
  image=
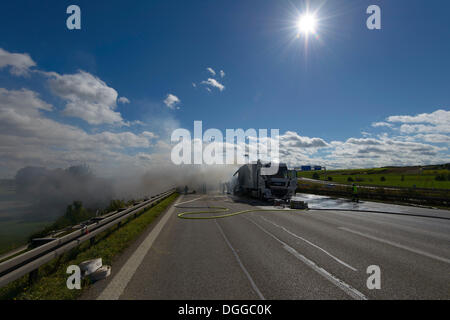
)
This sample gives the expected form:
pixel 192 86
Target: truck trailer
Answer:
pixel 251 181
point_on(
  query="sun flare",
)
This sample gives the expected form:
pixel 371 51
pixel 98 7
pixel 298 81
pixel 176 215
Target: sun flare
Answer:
pixel 307 23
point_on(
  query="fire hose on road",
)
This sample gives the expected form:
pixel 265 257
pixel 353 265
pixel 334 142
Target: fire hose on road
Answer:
pixel 193 215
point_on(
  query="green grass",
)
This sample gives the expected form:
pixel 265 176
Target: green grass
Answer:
pixel 51 284
pixel 394 177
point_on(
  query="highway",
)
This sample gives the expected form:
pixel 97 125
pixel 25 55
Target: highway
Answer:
pixel 285 254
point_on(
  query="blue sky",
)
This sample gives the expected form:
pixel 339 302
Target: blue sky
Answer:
pixel 347 79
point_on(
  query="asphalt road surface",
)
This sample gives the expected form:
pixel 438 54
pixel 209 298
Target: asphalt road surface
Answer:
pixel 286 255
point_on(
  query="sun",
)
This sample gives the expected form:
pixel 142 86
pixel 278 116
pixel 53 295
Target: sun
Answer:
pixel 307 24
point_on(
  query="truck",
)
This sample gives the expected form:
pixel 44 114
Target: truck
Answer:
pixel 251 181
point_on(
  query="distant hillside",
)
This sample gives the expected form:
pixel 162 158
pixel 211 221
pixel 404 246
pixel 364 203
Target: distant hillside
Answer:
pixel 418 168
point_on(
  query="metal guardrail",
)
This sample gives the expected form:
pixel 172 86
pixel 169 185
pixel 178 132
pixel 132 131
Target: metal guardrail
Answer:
pixel 30 261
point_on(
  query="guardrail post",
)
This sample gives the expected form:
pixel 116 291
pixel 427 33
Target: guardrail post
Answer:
pixel 32 277
pixel 92 241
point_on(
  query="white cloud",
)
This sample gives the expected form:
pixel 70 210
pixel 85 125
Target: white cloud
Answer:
pixel 20 116
pixel 123 100
pixel 421 128
pixel 122 139
pixel 214 83
pixel 149 135
pixel 211 70
pixel 431 127
pixel 381 124
pixel 88 97
pixel 364 141
pixel 144 156
pixel 436 118
pixel 382 152
pixel 433 138
pixel 137 122
pixel 415 145
pixel 24 100
pixel 20 63
pixel 171 101
pixel 28 137
pixel 357 152
pixel 292 139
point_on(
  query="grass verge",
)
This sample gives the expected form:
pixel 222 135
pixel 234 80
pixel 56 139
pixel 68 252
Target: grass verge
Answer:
pixel 384 177
pixel 51 282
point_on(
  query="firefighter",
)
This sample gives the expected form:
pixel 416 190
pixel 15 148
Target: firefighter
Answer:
pixel 355 193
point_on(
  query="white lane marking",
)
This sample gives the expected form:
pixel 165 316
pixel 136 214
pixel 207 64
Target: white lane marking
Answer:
pixel 249 277
pixel 274 208
pixel 118 284
pixel 398 245
pixel 178 204
pixel 352 292
pixel 312 244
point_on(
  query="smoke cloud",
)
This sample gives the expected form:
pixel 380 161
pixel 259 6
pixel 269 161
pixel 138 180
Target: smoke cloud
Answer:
pixel 50 191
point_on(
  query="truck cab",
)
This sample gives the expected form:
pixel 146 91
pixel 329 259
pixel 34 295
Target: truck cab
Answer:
pixel 251 180
pixel 281 185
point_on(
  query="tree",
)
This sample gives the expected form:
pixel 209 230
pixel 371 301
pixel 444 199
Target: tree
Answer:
pixel 350 179
pixel 383 179
pixel 76 213
pixel 316 176
pixel 115 205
